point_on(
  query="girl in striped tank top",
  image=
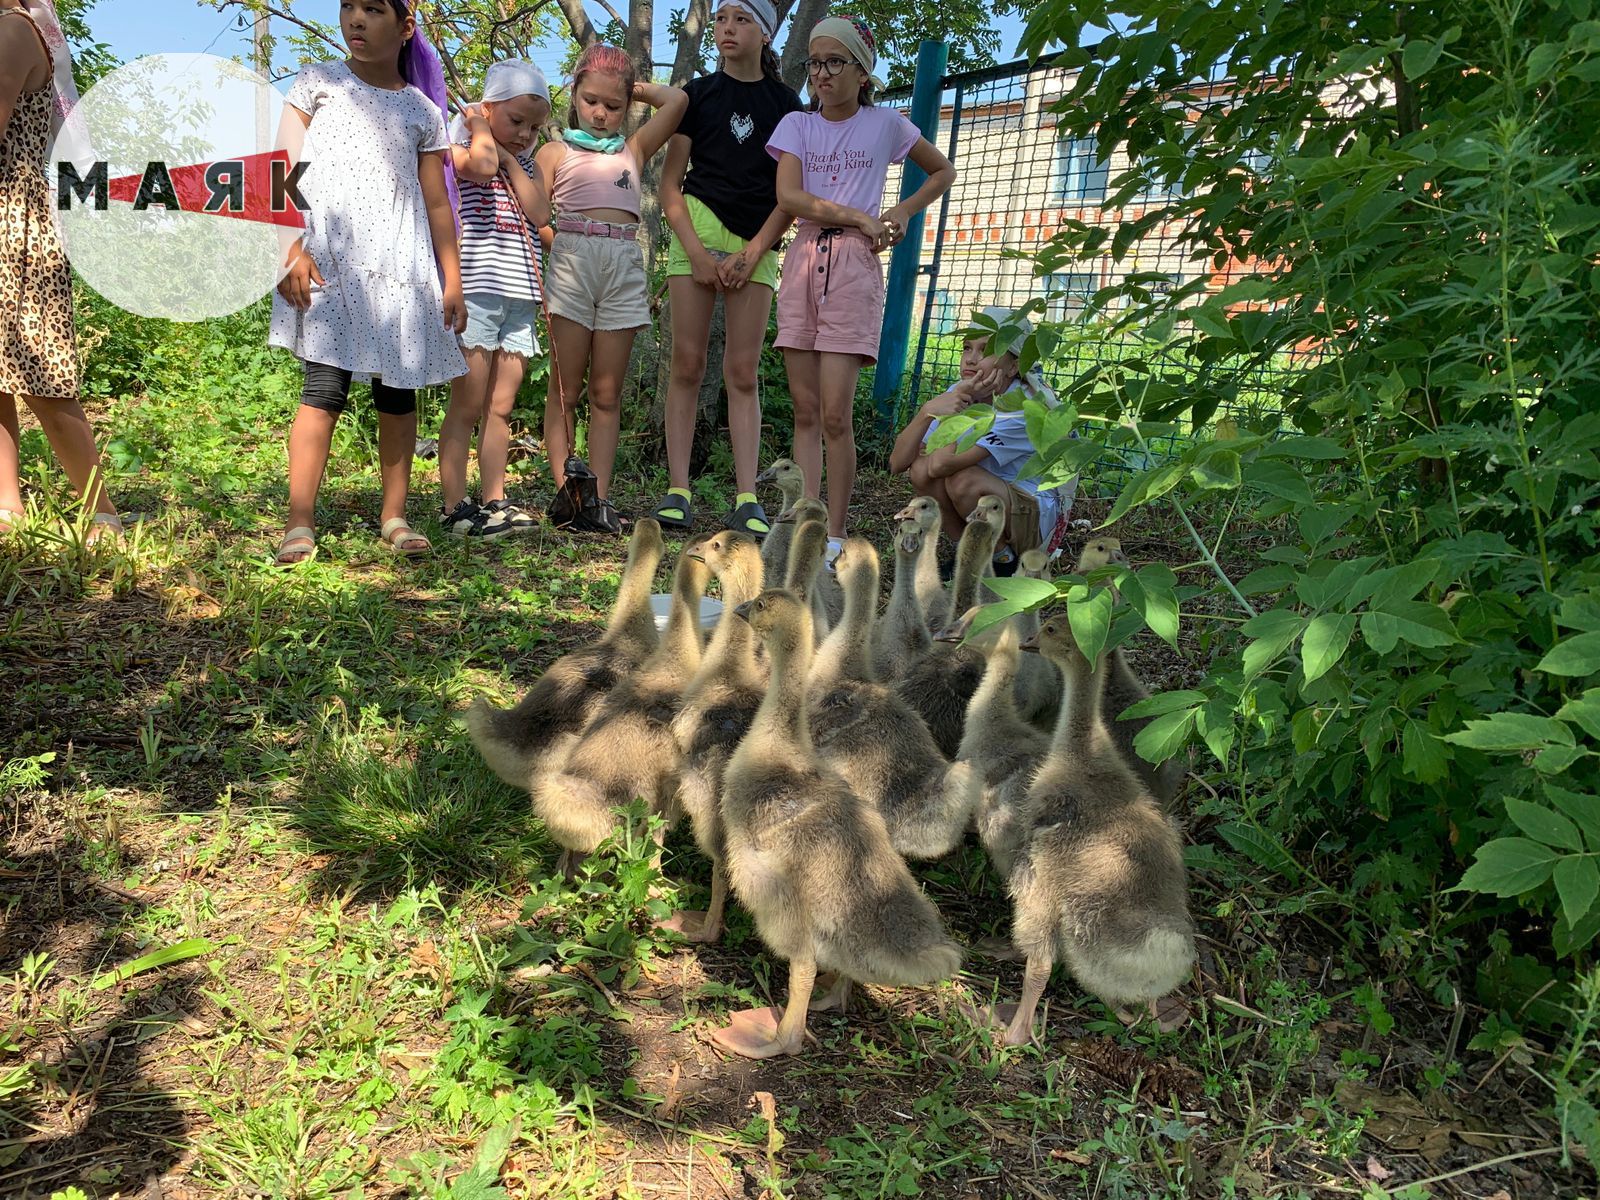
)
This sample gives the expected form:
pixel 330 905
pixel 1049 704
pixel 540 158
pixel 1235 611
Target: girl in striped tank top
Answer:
pixel 502 202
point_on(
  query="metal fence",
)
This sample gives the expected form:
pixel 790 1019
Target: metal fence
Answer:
pixel 1019 181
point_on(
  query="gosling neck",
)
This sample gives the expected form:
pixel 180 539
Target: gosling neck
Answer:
pixel 1080 730
pixel 680 645
pixel 732 645
pixel 973 553
pixel 782 715
pixel 846 653
pixel 632 613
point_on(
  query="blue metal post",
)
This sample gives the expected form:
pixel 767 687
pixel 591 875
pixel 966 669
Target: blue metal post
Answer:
pixel 901 291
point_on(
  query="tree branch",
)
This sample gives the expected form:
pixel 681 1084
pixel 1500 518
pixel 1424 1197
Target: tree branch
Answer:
pixel 798 48
pixel 694 32
pixel 578 22
pixel 276 10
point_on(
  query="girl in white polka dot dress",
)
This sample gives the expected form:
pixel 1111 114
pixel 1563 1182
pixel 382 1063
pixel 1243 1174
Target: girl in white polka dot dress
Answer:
pixel 373 288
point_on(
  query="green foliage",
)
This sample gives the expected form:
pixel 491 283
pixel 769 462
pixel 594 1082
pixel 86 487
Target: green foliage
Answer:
pixel 1405 666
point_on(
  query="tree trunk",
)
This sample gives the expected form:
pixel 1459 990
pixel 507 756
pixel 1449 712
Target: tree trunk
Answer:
pixel 798 48
pixel 686 63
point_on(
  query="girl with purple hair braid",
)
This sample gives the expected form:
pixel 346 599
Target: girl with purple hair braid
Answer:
pixel 372 290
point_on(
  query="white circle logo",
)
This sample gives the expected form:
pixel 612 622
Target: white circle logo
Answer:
pixel 170 198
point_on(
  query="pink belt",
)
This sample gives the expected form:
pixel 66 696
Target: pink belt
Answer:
pixel 587 228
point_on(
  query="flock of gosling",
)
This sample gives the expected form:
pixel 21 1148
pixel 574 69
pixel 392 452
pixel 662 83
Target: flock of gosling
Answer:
pixel 815 746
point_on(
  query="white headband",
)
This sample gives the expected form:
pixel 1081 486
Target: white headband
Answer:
pixel 505 81
pixel 762 11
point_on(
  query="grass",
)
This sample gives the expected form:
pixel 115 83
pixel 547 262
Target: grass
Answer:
pixel 271 928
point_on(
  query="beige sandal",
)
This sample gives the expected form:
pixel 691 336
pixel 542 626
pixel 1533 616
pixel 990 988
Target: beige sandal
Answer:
pixel 9 520
pixel 103 525
pixel 397 531
pixel 292 555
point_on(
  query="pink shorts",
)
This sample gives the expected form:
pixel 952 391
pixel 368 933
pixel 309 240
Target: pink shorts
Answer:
pixel 830 298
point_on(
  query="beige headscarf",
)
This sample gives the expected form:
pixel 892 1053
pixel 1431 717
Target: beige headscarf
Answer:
pixel 852 33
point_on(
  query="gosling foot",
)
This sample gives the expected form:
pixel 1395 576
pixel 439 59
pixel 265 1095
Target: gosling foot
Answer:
pixel 692 925
pixel 753 1033
pixel 1169 1013
pixel 570 864
pixel 836 998
pixel 1002 1017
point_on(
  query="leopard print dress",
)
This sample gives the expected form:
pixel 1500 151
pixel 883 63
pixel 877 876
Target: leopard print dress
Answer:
pixel 38 344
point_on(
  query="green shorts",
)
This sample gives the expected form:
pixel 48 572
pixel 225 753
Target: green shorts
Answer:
pixel 714 236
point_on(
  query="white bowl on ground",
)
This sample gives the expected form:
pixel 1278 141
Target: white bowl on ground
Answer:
pixel 710 610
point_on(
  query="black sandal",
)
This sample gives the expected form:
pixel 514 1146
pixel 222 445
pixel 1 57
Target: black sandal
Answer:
pixel 672 503
pixel 749 518
pixel 600 516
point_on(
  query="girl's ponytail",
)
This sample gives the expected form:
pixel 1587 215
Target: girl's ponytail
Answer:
pixel 769 63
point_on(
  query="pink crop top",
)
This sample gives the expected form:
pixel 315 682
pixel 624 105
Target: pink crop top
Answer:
pixel 586 179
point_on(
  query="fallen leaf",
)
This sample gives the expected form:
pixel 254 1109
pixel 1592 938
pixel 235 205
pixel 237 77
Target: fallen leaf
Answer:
pixel 1377 1170
pixel 1071 1156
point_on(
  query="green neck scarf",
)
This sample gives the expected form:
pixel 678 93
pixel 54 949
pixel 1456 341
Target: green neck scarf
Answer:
pixel 585 140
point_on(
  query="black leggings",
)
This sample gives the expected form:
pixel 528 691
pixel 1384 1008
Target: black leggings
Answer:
pixel 328 388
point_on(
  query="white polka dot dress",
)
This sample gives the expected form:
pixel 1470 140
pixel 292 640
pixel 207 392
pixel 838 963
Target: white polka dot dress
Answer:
pixel 381 313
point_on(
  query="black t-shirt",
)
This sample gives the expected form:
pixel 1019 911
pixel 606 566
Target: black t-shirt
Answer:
pixel 728 124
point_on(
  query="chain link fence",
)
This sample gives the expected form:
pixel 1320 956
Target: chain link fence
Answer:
pixel 1019 182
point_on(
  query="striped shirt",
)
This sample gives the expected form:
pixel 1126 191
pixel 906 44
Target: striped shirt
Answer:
pixel 494 239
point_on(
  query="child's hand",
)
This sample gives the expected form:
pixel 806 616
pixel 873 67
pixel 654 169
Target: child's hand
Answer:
pixel 876 230
pixel 704 269
pixel 296 284
pixel 896 219
pixel 736 269
pixel 949 403
pixel 455 310
pixel 990 377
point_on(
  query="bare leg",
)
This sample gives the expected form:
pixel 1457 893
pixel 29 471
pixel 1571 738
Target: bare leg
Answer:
pixel 802 366
pixel 397 442
pixel 965 488
pixel 746 312
pixel 927 484
pixel 837 375
pixel 10 455
pixel 607 369
pixel 467 394
pixel 1034 978
pixel 72 439
pixel 569 345
pixel 310 440
pixel 494 426
pixel 750 1033
pixel 692 306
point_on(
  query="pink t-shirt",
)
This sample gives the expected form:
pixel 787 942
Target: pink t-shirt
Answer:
pixel 846 161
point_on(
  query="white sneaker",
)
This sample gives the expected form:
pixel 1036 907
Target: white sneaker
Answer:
pixel 835 544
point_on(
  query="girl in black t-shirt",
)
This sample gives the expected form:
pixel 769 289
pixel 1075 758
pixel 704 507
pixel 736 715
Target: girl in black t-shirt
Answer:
pixel 719 195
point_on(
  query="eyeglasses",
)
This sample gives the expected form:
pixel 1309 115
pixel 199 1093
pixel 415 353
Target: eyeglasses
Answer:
pixel 816 66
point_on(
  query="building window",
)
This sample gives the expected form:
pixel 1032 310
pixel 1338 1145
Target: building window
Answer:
pixel 1067 293
pixel 1080 177
pixel 943 320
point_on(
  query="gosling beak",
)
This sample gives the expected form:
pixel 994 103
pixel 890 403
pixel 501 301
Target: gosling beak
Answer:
pixel 951 634
pixel 910 543
pixel 744 610
pixel 786 517
pixel 906 514
pixel 696 555
pixel 767 476
pixel 975 516
pixel 1031 645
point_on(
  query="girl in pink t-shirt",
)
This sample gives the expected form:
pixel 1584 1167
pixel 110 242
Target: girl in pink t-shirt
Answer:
pixel 832 163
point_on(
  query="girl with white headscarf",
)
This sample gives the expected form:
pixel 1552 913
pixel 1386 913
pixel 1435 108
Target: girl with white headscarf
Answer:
pixel 719 195
pixel 38 338
pixel 503 201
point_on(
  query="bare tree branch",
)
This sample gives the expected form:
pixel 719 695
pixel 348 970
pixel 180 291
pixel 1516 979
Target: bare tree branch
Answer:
pixel 282 12
pixel 522 14
pixel 611 12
